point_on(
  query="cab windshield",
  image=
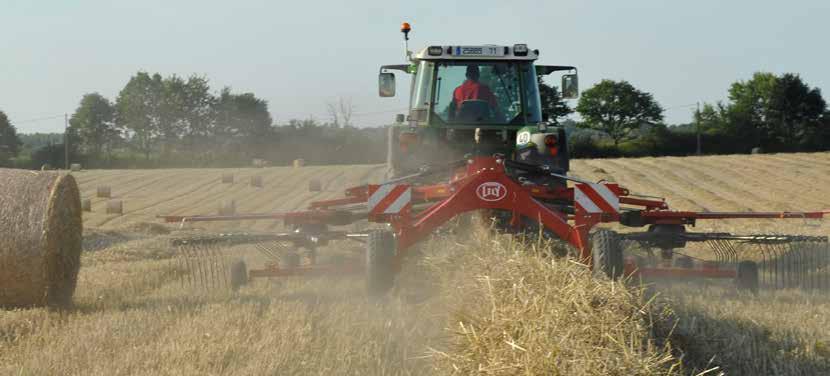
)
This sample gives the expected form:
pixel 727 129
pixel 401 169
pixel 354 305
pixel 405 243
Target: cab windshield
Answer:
pixel 485 92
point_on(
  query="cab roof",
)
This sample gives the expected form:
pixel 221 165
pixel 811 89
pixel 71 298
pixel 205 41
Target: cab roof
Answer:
pixel 481 52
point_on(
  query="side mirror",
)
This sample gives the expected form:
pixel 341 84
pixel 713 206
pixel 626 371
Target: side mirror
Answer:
pixel 386 84
pixel 570 86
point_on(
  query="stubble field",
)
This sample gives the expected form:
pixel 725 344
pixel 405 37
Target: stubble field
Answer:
pixel 470 303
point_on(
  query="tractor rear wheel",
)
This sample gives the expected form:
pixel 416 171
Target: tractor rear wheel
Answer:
pixel 747 278
pixel 239 274
pixel 380 259
pixel 607 253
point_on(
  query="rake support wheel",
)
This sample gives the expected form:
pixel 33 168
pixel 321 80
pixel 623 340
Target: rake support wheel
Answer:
pixel 607 253
pixel 747 278
pixel 239 274
pixel 380 259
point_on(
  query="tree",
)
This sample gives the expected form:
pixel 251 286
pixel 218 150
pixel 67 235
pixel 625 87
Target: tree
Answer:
pixel 794 111
pixel 552 103
pixel 617 108
pixel 94 124
pixel 139 111
pixel 341 112
pixel 9 141
pixel 776 112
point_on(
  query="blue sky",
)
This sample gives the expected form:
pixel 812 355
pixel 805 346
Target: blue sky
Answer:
pixel 301 54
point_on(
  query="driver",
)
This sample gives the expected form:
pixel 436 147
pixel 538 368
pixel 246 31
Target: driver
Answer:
pixel 471 89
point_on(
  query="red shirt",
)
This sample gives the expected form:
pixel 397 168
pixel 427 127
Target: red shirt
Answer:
pixel 473 90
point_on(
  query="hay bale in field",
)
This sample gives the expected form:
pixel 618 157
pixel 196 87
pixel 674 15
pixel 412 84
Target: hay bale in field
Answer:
pixel 103 191
pixel 256 181
pixel 86 205
pixel 40 238
pixel 227 207
pixel 75 167
pixel 227 178
pixel 115 207
pixel 757 150
pixel 314 185
pixel 299 163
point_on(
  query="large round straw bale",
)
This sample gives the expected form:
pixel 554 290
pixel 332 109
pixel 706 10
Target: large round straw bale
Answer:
pixel 299 163
pixel 104 191
pixel 227 207
pixel 86 205
pixel 115 207
pixel 256 181
pixel 75 167
pixel 40 238
pixel 227 178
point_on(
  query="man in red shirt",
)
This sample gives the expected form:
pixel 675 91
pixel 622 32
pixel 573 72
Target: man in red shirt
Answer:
pixel 472 90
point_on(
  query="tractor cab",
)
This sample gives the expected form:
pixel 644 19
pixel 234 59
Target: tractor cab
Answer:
pixel 474 100
pixel 487 87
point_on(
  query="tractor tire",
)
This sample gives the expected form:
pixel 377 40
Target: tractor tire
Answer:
pixel 380 258
pixel 239 275
pixel 747 278
pixel 290 260
pixel 684 262
pixel 607 253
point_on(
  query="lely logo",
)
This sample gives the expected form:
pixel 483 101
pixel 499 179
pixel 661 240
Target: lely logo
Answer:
pixel 491 191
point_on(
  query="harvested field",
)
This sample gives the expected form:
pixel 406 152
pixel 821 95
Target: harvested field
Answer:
pixel 472 303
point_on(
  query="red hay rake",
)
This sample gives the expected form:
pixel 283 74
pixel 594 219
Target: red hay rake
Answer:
pixel 414 210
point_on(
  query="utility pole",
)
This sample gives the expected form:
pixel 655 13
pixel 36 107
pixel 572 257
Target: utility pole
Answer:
pixel 697 120
pixel 66 140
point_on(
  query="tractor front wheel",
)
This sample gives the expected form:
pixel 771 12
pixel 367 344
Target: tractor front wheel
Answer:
pixel 380 262
pixel 239 274
pixel 747 278
pixel 607 253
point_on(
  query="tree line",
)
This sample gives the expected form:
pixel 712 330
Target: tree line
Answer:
pixel 172 121
pixel 769 113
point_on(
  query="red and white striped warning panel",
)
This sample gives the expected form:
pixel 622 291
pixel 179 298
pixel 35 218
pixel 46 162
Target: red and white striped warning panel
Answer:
pixel 389 198
pixel 596 198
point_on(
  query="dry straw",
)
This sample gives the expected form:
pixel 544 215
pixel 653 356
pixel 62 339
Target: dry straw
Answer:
pixel 40 238
pixel 103 191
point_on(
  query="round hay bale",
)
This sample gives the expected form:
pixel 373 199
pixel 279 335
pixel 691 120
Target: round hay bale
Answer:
pixel 40 238
pixel 314 185
pixel 115 207
pixel 256 181
pixel 86 205
pixel 75 167
pixel 227 207
pixel 757 150
pixel 299 163
pixel 227 178
pixel 103 191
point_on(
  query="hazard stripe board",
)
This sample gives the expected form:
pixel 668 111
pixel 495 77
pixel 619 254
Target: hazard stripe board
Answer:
pixel 596 198
pixel 389 198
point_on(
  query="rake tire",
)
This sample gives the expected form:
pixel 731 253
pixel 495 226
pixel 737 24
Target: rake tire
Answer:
pixel 380 262
pixel 607 253
pixel 239 274
pixel 747 276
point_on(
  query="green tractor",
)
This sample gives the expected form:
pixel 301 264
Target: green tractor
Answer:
pixel 475 100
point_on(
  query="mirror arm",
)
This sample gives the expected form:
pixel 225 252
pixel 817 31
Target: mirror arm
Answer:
pixel 544 70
